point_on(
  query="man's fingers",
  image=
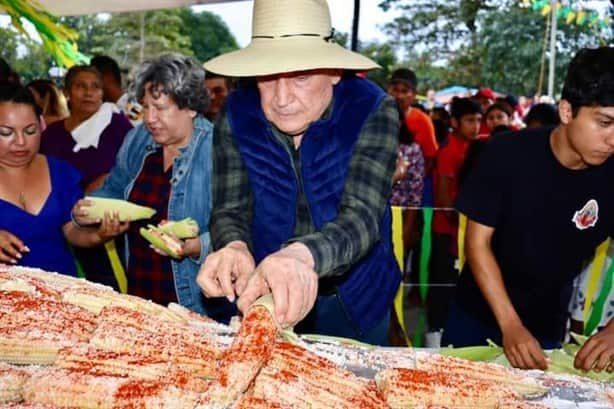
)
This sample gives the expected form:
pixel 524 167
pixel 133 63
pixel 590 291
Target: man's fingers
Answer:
pixel 604 360
pixel 588 356
pixel 296 302
pixel 511 356
pixel 241 283
pixel 224 276
pixel 538 358
pixel 206 278
pixel 255 288
pixel 244 269
pixel 280 299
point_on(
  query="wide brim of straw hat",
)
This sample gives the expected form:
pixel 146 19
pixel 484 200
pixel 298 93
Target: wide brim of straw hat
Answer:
pixel 276 56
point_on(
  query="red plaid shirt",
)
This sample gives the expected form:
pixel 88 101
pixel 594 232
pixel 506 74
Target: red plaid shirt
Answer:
pixel 150 275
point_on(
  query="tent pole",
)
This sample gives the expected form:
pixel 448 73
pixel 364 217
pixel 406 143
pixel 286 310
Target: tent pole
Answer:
pixel 355 25
pixel 553 30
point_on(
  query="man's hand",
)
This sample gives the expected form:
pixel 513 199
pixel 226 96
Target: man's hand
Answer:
pixel 11 247
pixel 598 352
pixel 289 275
pixel 225 272
pixel 522 349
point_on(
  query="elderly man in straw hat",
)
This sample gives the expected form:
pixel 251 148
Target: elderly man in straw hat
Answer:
pixel 302 173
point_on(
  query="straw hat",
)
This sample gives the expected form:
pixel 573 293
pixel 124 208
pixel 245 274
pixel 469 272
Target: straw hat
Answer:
pixel 287 36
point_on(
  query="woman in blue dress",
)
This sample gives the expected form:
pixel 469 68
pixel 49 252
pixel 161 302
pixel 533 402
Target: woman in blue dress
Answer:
pixel 37 193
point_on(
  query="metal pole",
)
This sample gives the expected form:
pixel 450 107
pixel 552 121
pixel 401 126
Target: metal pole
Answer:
pixel 355 21
pixel 552 50
pixel 142 36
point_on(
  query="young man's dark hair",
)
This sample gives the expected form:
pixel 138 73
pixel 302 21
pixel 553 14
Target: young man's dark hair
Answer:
pixel 405 76
pixel 463 106
pixel 590 79
pixel 542 115
pixel 106 64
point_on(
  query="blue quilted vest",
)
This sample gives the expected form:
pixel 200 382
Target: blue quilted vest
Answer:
pixel 368 288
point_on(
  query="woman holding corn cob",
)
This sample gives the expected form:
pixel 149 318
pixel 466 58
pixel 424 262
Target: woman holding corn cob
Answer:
pixel 165 164
pixel 37 193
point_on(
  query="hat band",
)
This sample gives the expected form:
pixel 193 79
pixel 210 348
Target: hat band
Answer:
pixel 328 38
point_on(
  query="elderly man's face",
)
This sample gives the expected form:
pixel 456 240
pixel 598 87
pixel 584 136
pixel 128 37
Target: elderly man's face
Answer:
pixel 294 100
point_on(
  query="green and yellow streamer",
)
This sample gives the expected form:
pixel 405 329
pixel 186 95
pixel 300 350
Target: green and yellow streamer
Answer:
pixel 58 40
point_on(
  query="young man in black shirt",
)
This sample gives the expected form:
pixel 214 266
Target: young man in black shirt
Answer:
pixel 538 203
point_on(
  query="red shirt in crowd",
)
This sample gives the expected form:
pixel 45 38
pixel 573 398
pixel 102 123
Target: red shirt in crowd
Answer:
pixel 421 126
pixel 450 158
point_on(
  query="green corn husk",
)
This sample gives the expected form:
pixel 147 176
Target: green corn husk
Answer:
pixel 483 353
pixel 183 229
pixel 127 211
pixel 561 362
pixel 578 338
pixel 149 235
pixel 475 353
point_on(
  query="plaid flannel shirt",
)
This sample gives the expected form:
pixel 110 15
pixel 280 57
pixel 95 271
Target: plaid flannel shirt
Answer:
pixel 363 202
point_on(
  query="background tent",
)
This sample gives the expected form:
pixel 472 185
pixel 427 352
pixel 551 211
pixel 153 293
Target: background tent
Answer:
pixel 445 95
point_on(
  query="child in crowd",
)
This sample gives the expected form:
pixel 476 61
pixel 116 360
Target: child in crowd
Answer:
pixel 498 115
pixel 466 116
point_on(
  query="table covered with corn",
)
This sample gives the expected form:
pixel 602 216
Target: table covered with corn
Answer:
pixel 69 343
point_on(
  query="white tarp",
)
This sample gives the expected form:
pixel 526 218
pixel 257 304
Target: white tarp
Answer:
pixel 80 7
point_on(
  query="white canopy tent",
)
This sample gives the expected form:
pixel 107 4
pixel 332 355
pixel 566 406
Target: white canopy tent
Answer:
pixel 80 7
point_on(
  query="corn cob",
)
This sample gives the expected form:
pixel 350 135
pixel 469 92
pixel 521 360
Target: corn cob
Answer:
pixel 516 404
pixel 127 211
pixel 51 281
pixel 182 229
pixel 33 329
pixel 23 283
pixel 189 316
pixel 97 362
pixel 251 402
pixel 95 300
pixel 24 405
pixel 196 356
pixel 149 323
pixel 11 382
pixel 242 361
pixel 410 388
pixel 60 387
pixel 513 379
pixel 21 351
pixel 298 378
pixel 164 242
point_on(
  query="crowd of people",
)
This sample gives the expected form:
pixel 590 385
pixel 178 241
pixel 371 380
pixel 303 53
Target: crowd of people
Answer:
pixel 291 177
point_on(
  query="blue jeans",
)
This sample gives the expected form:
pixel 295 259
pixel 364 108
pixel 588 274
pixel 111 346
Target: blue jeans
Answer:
pixel 463 329
pixel 329 317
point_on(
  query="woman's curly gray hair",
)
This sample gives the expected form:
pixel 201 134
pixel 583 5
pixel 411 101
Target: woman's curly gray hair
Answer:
pixel 178 76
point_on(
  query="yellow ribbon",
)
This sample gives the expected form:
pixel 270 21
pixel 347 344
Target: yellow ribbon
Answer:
pixel 460 240
pixel 399 248
pixel 593 280
pixel 116 265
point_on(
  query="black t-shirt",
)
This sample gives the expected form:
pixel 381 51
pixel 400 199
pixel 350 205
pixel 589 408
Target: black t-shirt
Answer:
pixel 548 219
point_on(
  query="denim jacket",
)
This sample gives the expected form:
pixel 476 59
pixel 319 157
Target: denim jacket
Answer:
pixel 190 197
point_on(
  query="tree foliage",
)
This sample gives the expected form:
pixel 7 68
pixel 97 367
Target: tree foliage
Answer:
pixel 208 33
pixel 481 43
pixel 202 35
pixel 27 57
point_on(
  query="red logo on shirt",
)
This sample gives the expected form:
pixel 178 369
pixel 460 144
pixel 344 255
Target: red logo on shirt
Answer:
pixel 587 216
